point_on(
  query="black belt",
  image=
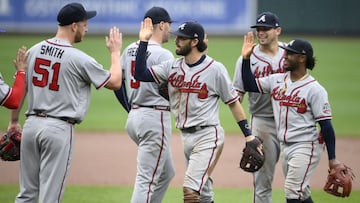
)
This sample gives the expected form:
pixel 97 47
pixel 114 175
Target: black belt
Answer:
pixel 66 119
pixel 163 108
pixel 193 129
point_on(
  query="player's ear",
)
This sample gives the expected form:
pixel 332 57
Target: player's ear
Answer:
pixel 278 30
pixel 74 26
pixel 194 42
pixel 302 58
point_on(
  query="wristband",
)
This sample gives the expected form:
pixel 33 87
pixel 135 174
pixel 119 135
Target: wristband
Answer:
pixel 19 72
pixel 244 126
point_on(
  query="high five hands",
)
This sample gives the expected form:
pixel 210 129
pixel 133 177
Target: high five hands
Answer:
pixel 248 45
pixel 146 30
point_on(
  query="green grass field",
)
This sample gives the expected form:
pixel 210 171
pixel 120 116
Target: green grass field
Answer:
pixel 112 194
pixel 337 70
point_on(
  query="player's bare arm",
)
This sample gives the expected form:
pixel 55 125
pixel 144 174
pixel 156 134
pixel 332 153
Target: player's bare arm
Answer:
pixel 239 114
pixel 248 45
pixel 14 120
pixel 114 44
pixel 146 30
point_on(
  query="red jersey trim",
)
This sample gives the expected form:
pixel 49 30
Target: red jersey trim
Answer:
pixel 104 83
pixel 6 97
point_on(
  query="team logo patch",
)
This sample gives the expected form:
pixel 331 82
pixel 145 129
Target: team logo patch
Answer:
pixel 262 19
pixel 182 26
pixel 326 108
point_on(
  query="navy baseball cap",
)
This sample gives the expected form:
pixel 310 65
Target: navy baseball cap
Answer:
pixel 73 12
pixel 158 14
pixel 190 30
pixel 267 19
pixel 299 46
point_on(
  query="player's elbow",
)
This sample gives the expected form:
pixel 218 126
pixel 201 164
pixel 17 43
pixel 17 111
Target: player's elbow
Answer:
pixel 12 103
pixel 114 83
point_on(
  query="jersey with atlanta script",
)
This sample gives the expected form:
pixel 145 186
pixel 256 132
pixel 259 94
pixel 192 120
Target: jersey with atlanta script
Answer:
pixel 297 106
pixel 195 91
pixel 261 65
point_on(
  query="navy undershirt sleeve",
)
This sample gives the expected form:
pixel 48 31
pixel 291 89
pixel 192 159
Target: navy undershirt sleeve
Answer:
pixel 329 137
pixel 248 77
pixel 122 97
pixel 142 73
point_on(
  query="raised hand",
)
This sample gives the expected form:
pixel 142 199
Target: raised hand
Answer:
pixel 248 45
pixel 21 59
pixel 146 30
pixel 114 40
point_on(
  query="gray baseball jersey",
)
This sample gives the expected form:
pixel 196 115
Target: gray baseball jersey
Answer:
pixel 195 91
pixel 304 101
pixel 4 91
pixel 261 65
pixel 59 82
pixel 59 79
pixel 149 126
pixel 144 93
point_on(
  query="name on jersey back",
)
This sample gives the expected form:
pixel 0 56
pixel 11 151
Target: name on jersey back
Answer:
pixel 52 51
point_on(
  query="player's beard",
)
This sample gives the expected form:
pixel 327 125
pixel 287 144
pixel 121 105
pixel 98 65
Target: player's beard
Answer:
pixel 291 65
pixel 289 68
pixel 185 50
pixel 78 37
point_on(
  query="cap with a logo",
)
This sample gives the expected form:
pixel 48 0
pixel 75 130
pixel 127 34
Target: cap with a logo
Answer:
pixel 299 46
pixel 267 19
pixel 73 12
pixel 190 30
pixel 158 14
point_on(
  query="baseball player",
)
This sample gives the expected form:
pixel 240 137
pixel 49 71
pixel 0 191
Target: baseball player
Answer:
pixel 196 82
pixel 149 120
pixel 267 58
pixel 10 97
pixel 59 79
pixel 299 103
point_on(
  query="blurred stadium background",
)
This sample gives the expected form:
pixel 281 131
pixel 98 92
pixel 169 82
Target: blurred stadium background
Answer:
pixel 220 17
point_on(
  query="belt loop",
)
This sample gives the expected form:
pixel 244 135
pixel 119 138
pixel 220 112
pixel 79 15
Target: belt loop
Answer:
pixel 193 129
pixel 44 115
pixel 162 108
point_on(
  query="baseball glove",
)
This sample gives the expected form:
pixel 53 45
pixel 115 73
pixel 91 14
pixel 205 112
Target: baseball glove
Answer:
pixel 10 146
pixel 251 160
pixel 339 181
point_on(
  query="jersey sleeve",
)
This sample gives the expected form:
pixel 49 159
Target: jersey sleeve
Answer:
pixel 237 81
pixel 320 103
pixel 4 91
pixel 264 84
pixel 95 73
pixel 165 55
pixel 225 87
pixel 160 72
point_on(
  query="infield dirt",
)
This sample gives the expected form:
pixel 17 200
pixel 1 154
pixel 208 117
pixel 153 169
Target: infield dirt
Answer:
pixel 110 159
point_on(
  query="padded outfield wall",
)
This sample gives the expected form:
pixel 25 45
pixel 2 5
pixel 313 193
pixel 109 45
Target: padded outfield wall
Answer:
pixel 326 17
pixel 220 17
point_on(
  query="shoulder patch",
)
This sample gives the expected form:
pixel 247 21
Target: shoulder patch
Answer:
pixel 326 108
